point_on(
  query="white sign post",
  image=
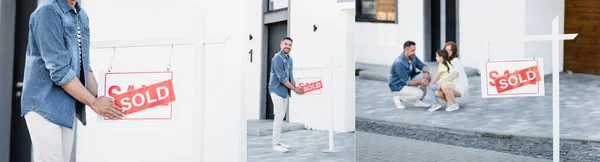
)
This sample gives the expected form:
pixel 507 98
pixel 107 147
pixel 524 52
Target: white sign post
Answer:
pixel 555 37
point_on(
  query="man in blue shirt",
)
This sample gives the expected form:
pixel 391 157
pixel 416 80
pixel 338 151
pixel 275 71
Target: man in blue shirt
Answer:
pixel 58 80
pixel 406 83
pixel 280 84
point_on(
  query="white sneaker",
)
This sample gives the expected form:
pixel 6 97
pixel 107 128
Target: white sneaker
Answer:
pixel 420 103
pixel 452 107
pixel 434 107
pixel 398 103
pixel 281 149
pixel 285 146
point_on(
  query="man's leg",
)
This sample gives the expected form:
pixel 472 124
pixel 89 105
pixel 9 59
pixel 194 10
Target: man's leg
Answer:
pixel 279 112
pixel 408 93
pixel 67 140
pixel 46 139
pixel 419 102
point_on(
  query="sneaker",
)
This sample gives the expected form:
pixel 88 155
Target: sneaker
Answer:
pixel 400 106
pixel 285 146
pixel 281 149
pixel 420 103
pixel 398 103
pixel 434 107
pixel 452 107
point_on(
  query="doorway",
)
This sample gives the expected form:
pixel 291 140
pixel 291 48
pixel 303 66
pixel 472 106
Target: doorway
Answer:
pixel 275 32
pixel 20 146
pixel 441 25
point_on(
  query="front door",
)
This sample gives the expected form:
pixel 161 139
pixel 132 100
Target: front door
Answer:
pixel 275 33
pixel 20 146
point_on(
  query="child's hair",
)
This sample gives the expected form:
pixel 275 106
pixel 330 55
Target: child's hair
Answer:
pixel 444 54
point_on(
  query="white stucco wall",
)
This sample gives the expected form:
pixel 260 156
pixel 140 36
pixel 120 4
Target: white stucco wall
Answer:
pixel 539 16
pixel 255 77
pixel 208 122
pixel 329 46
pixel 481 20
pixel 381 43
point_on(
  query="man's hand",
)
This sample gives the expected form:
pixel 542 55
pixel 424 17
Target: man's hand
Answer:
pixel 105 106
pixel 426 76
pixel 299 90
pixel 424 82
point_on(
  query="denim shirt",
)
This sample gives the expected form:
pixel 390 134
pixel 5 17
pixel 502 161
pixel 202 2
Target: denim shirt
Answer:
pixel 281 72
pixel 400 72
pixel 52 61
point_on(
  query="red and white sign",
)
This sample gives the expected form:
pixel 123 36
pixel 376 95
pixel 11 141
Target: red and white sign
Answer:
pixel 142 95
pixel 513 78
pixel 311 86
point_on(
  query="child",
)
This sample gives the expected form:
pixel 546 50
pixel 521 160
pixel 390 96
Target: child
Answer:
pixel 441 77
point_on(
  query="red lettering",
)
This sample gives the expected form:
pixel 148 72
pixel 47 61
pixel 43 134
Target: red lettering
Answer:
pixel 519 78
pixel 113 88
pixel 146 97
pixel 308 87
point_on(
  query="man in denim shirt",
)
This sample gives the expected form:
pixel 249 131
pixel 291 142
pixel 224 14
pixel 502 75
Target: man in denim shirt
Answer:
pixel 280 84
pixel 405 82
pixel 58 80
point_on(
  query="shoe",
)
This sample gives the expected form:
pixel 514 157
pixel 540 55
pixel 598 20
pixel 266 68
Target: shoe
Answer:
pixel 400 106
pixel 398 103
pixel 281 149
pixel 285 146
pixel 420 103
pixel 434 107
pixel 452 107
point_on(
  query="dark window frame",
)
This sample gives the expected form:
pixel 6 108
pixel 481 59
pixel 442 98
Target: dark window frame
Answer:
pixel 360 17
pixel 274 10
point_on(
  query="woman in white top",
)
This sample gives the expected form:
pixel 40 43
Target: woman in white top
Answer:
pixel 461 87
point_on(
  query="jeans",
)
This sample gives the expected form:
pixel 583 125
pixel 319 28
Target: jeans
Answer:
pixel 431 93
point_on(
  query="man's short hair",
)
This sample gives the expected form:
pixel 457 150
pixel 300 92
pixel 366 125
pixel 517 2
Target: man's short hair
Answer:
pixel 408 44
pixel 287 38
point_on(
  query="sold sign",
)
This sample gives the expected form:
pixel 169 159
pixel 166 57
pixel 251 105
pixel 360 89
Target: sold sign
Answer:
pixel 311 86
pixel 518 78
pixel 142 95
pixel 146 97
pixel 530 75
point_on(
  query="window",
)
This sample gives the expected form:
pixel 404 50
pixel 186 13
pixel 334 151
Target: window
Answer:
pixel 277 4
pixel 376 11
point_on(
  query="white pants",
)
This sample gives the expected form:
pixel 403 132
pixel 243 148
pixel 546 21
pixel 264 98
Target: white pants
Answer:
pixel 50 142
pixel 410 93
pixel 280 106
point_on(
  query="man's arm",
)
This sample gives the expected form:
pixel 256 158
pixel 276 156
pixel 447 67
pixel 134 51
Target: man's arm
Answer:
pixel 48 34
pixel 282 76
pixel 402 72
pixel 92 84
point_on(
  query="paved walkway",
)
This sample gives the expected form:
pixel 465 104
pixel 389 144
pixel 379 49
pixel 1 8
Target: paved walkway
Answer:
pixel 306 146
pixel 381 148
pixel 523 116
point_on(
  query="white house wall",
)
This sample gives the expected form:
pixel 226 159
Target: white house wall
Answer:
pixel 483 20
pixel 381 43
pixel 209 79
pixel 539 16
pixel 328 46
pixel 255 77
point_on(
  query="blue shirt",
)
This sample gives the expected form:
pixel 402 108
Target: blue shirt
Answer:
pixel 400 72
pixel 281 72
pixel 52 60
